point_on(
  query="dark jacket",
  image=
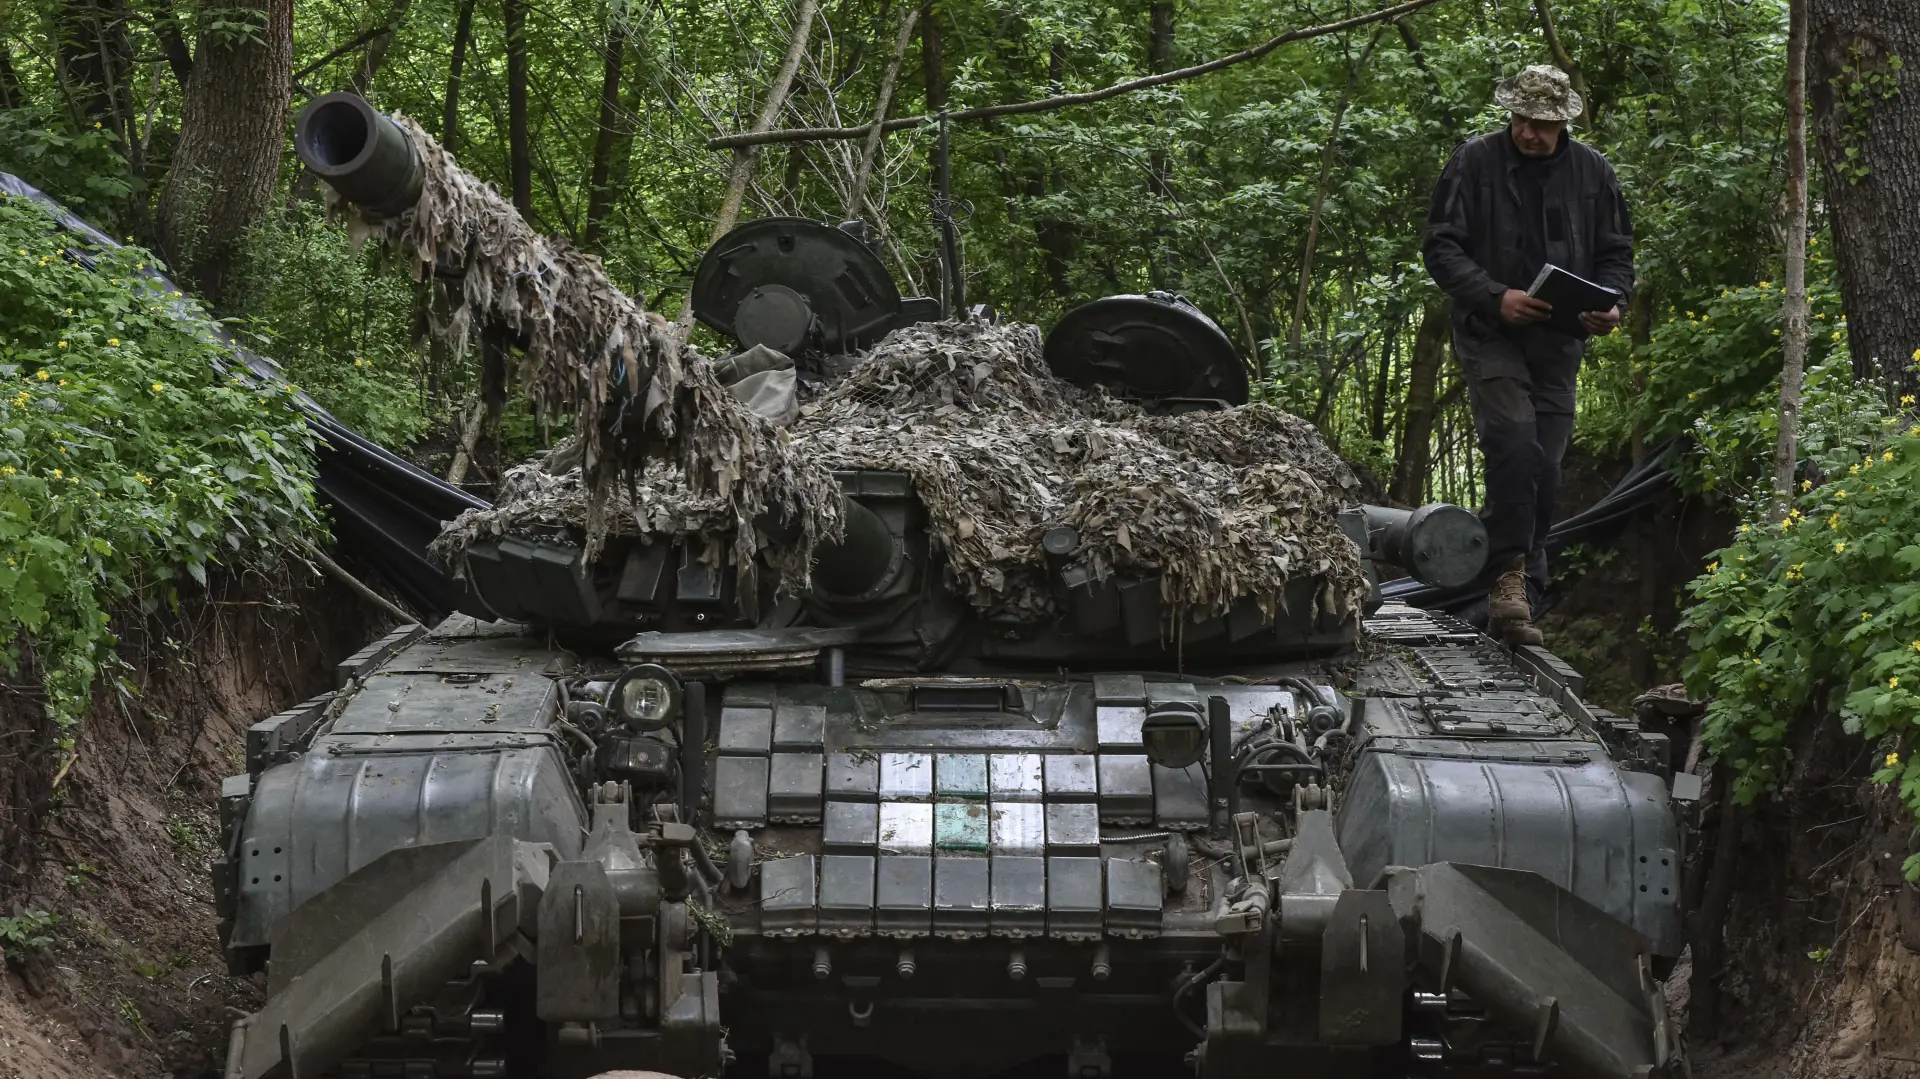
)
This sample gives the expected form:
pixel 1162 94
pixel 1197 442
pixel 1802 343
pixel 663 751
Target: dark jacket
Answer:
pixel 1475 227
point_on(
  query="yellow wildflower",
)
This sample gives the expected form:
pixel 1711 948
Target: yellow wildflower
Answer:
pixel 57 473
pixel 1839 548
pixel 6 470
pixel 1893 683
pixel 1893 760
pixel 63 382
pixel 1743 528
pixel 1841 493
pixel 113 342
pixel 42 374
pixel 1833 521
pixel 157 387
pixel 1763 284
pixel 1836 335
pixel 1786 525
pixel 1711 566
pixel 1866 616
pixel 1806 485
pixel 1887 456
pixel 1907 398
pixel 143 478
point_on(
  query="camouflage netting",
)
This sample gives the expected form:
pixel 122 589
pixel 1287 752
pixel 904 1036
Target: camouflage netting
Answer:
pixel 647 406
pixel 1223 505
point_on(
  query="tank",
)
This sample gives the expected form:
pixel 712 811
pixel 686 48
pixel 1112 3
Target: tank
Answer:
pixel 599 819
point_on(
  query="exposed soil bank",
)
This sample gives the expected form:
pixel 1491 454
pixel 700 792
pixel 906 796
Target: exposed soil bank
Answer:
pixel 134 984
pixel 1819 980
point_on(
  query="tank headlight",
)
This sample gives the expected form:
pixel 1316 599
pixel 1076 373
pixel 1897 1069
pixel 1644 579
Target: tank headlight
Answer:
pixel 646 697
pixel 1175 734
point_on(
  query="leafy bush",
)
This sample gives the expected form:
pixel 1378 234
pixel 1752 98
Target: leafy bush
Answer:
pixel 1713 372
pixel 26 933
pixel 336 322
pixel 83 168
pixel 126 461
pixel 1819 612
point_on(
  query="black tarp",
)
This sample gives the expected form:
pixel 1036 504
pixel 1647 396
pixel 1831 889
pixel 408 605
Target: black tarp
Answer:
pixel 384 510
pixel 1648 481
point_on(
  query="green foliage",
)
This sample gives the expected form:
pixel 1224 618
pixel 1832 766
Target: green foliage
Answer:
pixel 337 321
pixel 1863 83
pixel 1820 612
pixel 25 933
pixel 126 462
pixel 82 167
pixel 1712 372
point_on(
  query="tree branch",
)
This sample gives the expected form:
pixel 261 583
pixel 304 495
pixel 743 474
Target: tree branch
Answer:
pixel 871 151
pixel 743 153
pixel 1061 101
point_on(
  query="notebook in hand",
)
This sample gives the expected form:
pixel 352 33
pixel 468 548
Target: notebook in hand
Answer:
pixel 1570 294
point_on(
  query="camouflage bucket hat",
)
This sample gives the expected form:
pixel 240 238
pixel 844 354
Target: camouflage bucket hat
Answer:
pixel 1540 93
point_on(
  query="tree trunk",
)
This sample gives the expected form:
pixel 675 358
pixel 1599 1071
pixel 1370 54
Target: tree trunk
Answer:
pixel 1320 190
pixel 613 125
pixel 1867 114
pixel 96 60
pixel 376 53
pixel 450 111
pixel 1423 378
pixel 166 27
pixel 1563 59
pixel 232 133
pixel 1377 425
pixel 1160 267
pixel 932 65
pixel 870 153
pixel 742 174
pixel 1794 340
pixel 10 95
pixel 519 152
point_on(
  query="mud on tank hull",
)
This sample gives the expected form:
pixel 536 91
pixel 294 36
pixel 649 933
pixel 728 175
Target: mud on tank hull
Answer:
pixel 1453 866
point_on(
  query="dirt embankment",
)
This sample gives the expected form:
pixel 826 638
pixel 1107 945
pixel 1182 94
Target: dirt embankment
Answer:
pixel 1821 978
pixel 133 983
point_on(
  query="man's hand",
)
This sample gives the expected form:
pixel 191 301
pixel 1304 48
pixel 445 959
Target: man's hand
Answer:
pixel 1523 310
pixel 1600 323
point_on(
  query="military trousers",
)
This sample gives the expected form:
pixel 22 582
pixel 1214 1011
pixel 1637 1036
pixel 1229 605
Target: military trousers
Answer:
pixel 1520 384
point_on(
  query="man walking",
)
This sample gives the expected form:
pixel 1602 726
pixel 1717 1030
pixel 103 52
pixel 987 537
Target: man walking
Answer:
pixel 1509 203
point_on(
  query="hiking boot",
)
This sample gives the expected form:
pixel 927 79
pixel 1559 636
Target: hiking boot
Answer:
pixel 1514 632
pixel 1509 613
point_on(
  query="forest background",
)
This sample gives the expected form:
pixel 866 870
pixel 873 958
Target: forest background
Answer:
pixel 1285 196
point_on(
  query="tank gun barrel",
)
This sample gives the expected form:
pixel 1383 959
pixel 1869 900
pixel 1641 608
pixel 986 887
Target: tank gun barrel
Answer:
pixel 360 152
pixel 1439 544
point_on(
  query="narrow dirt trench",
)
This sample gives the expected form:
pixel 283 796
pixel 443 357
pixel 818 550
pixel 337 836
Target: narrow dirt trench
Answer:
pixel 133 984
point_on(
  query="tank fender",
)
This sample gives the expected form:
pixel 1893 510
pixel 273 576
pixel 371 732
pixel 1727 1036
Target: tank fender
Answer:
pixel 1542 961
pixel 350 961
